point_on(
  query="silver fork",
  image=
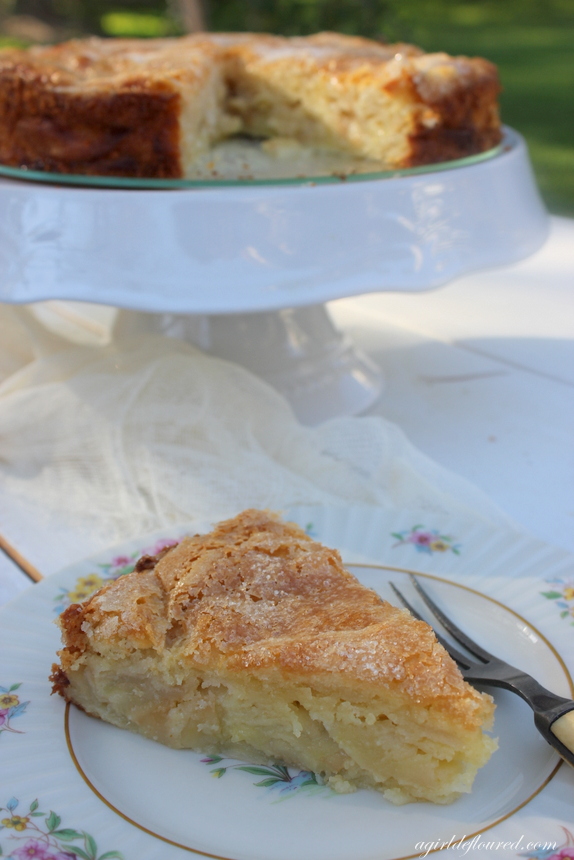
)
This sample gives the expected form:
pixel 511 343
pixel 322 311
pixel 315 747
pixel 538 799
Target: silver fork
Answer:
pixel 553 715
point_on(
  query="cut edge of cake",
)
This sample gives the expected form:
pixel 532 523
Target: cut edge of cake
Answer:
pixel 150 108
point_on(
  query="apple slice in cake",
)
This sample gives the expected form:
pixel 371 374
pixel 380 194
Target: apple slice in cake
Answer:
pixel 254 642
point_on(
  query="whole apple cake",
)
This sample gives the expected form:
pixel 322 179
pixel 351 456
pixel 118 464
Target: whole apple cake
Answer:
pixel 153 107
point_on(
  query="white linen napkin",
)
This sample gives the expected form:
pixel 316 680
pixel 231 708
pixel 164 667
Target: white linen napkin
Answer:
pixel 110 442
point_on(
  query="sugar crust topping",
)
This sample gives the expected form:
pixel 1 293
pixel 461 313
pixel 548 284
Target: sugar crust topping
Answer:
pixel 259 595
pixel 100 63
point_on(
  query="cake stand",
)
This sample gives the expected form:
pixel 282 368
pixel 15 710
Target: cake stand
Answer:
pixel 244 269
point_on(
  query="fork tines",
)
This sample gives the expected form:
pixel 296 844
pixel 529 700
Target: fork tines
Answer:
pixel 449 625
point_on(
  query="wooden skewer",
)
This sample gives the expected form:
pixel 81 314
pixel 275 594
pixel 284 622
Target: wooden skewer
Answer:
pixel 19 560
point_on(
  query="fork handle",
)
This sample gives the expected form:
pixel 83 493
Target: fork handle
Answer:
pixel 563 729
pixel 555 722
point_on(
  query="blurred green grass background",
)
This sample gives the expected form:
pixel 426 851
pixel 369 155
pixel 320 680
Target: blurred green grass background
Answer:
pixel 531 41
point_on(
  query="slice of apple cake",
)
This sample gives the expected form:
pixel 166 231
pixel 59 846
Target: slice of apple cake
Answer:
pixel 254 642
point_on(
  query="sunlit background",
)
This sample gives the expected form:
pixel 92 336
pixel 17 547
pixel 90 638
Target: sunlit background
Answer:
pixel 531 41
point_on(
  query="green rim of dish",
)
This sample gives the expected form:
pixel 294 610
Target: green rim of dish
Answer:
pixel 137 184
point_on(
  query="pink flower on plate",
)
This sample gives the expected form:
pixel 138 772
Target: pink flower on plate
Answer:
pixel 564 854
pixel 35 850
pixel 422 538
pixel 426 540
pixel 3 717
pixel 120 561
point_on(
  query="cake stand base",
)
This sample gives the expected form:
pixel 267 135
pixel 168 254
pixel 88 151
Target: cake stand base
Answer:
pixel 298 351
pixel 217 264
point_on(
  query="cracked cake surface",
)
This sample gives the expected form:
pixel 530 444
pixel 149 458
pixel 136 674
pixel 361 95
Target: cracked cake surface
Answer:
pixel 254 641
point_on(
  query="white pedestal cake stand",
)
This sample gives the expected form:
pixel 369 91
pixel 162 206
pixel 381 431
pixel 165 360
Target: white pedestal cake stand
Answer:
pixel 244 269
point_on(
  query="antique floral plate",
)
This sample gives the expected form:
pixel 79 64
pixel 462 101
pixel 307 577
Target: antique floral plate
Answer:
pixel 71 786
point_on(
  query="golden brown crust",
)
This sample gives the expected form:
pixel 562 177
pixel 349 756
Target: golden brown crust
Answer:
pixel 59 680
pixel 113 107
pixel 321 52
pixel 468 121
pixel 51 122
pixel 258 596
pixel 125 134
